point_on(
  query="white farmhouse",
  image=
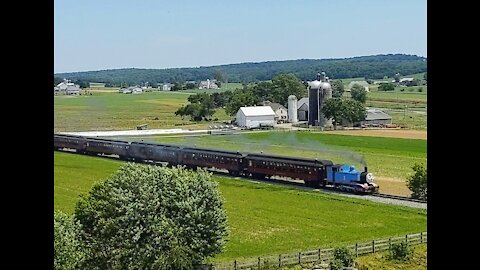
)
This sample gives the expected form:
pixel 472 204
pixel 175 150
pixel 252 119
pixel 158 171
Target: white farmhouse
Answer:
pixel 256 116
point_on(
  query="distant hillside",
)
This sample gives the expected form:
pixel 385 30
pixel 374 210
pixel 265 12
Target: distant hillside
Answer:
pixel 375 66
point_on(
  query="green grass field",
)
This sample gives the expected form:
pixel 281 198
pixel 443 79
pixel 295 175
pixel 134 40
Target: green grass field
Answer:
pixel 388 157
pixel 379 261
pixel 75 175
pixel 115 111
pixel 263 219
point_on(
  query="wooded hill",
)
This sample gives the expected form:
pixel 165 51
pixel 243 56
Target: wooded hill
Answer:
pixel 374 67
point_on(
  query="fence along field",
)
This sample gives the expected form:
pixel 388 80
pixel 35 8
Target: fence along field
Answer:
pixel 319 255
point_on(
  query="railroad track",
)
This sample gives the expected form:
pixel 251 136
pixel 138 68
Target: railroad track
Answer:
pixel 276 180
pixel 397 197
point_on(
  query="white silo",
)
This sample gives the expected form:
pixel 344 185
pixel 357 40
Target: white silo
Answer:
pixel 292 109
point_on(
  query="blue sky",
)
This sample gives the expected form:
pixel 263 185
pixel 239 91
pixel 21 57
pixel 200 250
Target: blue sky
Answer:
pixel 110 34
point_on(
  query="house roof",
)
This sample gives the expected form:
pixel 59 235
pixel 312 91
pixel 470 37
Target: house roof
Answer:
pixel 257 110
pixel 375 114
pixel 276 106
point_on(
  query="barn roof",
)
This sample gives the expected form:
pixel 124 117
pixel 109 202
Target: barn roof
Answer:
pixel 257 110
pixel 276 106
pixel 302 101
pixel 375 114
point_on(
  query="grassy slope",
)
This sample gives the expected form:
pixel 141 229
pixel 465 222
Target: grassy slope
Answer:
pixel 389 157
pixel 115 111
pixel 264 219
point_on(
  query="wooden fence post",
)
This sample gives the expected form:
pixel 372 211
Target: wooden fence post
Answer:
pixel 258 263
pixel 299 257
pixel 373 246
pixel 406 238
pixel 235 264
pixel 389 242
pixel 356 249
pixel 319 254
pixel 421 237
pixel 279 260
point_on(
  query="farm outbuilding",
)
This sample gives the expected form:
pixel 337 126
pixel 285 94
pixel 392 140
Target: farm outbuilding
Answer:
pixel 254 117
pixel 376 117
pixel 302 111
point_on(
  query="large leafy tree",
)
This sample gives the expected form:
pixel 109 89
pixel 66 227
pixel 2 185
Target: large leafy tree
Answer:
pixel 68 252
pixel 417 182
pixel 285 85
pixel 354 111
pixel 358 93
pixel 338 110
pixel 202 106
pixel 150 217
pixel 240 98
pixel 334 109
pixel 337 88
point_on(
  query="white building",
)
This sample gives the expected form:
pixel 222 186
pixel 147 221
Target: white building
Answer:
pixel 167 86
pixel 254 117
pixel 281 112
pixel 208 84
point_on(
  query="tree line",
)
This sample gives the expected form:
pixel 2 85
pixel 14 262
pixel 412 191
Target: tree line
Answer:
pixel 375 66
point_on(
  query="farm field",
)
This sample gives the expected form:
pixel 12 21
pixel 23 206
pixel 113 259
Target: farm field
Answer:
pixel 115 111
pixel 387 157
pixel 263 219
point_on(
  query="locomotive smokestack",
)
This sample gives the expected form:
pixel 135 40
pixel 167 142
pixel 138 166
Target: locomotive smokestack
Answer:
pixel 366 169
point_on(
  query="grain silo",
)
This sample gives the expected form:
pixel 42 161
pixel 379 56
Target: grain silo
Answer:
pixel 292 109
pixel 318 92
pixel 313 101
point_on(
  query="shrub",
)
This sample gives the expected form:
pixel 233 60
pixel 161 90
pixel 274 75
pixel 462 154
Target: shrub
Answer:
pixel 344 255
pixel 336 264
pixel 400 251
pixel 151 217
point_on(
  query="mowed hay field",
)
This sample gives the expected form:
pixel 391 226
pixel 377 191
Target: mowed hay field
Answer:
pixel 115 111
pixel 264 219
pixel 389 159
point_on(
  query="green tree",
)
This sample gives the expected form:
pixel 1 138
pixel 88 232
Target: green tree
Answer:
pixel 240 98
pixel 417 182
pixel 354 111
pixel 358 93
pixel 386 87
pixel 190 85
pixel 68 250
pixel 151 217
pixel 334 109
pixel 400 251
pixel 285 85
pixel 337 88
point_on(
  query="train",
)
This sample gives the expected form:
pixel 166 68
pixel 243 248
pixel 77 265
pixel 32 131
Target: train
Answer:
pixel 314 173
